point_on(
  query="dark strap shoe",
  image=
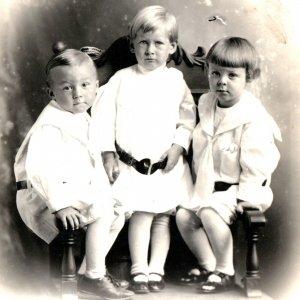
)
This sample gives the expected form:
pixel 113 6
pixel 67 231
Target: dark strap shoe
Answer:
pixel 118 283
pixel 138 287
pixel 156 286
pixel 217 282
pixel 195 276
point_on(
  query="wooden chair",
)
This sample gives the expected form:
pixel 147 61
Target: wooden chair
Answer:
pixel 118 56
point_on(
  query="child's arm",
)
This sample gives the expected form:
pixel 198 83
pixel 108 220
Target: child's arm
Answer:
pixel 55 172
pixel 187 119
pixel 111 165
pixel 184 128
pixel 173 155
pixel 258 160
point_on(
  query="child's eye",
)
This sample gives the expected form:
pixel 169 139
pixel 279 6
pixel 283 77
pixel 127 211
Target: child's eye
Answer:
pixel 215 73
pixel 85 84
pixel 67 88
pixel 143 42
pixel 232 75
pixel 159 43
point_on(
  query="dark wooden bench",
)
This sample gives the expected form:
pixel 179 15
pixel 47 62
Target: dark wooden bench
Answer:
pixel 192 65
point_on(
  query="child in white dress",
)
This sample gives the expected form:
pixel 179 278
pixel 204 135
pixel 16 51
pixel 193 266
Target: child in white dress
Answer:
pixel 57 177
pixel 234 155
pixel 143 122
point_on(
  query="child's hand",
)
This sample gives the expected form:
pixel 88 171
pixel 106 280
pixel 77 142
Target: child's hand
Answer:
pixel 69 216
pixel 111 166
pixel 173 155
pixel 244 204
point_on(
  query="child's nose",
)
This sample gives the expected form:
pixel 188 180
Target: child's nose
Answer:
pixel 76 92
pixel 150 48
pixel 222 80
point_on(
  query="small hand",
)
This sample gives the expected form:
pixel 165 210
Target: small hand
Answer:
pixel 69 216
pixel 244 204
pixel 173 155
pixel 111 166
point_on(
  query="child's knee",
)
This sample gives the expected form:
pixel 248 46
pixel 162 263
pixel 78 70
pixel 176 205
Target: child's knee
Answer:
pixel 208 214
pixel 211 219
pixel 185 218
pixel 182 216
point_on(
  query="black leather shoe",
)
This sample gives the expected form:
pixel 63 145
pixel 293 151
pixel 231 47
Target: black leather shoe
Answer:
pixel 156 286
pixel 139 287
pixel 118 283
pixel 103 288
pixel 195 276
pixel 217 282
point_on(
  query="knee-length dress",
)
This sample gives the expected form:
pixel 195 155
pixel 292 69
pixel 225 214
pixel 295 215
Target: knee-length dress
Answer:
pixel 146 112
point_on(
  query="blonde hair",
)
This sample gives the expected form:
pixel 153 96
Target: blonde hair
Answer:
pixel 235 52
pixel 152 17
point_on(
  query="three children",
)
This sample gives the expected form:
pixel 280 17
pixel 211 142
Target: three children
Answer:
pixel 142 125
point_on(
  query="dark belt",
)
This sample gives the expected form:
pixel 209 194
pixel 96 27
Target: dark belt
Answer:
pixel 21 185
pixel 221 186
pixel 143 166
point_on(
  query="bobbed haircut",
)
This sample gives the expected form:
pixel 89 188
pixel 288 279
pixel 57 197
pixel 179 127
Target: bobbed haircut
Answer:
pixel 67 57
pixel 235 52
pixel 151 18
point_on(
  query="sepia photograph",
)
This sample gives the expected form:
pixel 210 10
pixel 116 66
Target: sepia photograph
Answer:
pixel 149 149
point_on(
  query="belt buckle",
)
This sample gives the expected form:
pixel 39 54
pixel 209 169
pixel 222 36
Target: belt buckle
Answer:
pixel 146 165
pixel 149 169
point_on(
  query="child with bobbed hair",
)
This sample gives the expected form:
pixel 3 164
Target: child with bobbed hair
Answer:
pixel 234 155
pixel 143 122
pixel 57 177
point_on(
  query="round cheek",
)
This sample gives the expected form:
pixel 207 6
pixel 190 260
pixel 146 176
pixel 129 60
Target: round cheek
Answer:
pixel 211 81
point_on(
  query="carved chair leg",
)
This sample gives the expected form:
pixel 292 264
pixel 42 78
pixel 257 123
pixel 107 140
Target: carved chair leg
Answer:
pixel 68 268
pixel 254 220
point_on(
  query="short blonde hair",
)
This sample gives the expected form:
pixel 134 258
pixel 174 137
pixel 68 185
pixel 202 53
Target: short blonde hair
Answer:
pixel 152 17
pixel 235 52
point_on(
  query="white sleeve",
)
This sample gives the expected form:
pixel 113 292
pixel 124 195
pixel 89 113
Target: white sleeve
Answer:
pixel 187 119
pixel 259 158
pixel 49 169
pixel 103 124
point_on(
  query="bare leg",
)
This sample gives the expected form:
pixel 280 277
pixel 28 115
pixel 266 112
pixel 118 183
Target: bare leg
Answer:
pixel 192 232
pixel 220 238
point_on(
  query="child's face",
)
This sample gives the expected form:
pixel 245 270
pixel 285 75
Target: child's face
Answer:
pixel 227 83
pixel 73 87
pixel 153 48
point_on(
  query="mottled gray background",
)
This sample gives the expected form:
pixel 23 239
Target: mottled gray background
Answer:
pixel 29 27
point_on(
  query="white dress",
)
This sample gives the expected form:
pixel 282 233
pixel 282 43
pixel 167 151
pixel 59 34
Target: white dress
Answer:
pixel 60 171
pixel 145 113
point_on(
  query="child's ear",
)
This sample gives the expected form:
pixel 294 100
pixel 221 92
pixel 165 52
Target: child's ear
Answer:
pixel 173 48
pixel 131 48
pixel 50 92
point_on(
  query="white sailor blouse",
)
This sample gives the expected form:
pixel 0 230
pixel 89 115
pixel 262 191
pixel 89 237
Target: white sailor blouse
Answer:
pixel 241 150
pixel 55 162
